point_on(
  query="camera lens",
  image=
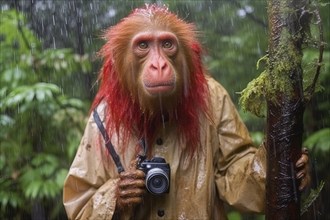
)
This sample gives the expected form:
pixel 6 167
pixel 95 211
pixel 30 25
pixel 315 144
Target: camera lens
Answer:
pixel 157 181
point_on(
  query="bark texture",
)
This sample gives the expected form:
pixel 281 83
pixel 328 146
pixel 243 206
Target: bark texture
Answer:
pixel 284 109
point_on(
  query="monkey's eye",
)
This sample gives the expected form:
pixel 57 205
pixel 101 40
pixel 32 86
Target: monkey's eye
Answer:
pixel 167 44
pixel 143 45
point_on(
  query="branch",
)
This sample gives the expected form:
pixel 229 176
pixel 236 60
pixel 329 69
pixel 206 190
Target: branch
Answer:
pixel 311 88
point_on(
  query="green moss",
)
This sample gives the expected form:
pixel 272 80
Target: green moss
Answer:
pixel 277 79
pixel 284 73
pixel 253 97
pixel 286 60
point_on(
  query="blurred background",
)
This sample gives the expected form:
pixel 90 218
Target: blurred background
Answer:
pixel 48 71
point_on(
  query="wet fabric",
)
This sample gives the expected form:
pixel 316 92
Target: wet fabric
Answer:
pixel 226 169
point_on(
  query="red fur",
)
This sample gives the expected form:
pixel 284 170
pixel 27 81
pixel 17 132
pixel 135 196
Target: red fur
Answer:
pixel 123 111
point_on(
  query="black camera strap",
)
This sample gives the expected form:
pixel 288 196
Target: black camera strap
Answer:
pixel 143 156
pixel 108 143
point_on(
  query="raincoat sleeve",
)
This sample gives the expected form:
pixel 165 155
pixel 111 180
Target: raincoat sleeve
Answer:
pixel 239 166
pixel 89 188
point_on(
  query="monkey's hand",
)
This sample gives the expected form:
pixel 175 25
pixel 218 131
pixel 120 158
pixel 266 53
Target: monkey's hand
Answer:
pixel 303 173
pixel 131 187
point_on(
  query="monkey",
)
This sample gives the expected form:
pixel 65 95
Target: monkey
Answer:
pixel 180 51
pixel 155 88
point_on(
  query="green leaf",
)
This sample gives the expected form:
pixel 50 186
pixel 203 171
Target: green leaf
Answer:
pixel 319 140
pixel 314 194
pixel 33 189
pixel 234 216
pixel 29 96
pixel 13 75
pixel 42 91
pixel 60 177
pixel 6 120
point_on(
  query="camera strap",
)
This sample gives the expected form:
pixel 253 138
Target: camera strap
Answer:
pixel 108 143
pixel 143 156
pixel 144 146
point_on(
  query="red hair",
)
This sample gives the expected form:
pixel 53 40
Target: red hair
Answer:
pixel 123 112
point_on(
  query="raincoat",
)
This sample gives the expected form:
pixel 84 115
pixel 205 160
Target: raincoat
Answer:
pixel 226 169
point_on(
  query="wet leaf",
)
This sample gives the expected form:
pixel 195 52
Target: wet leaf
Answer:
pixel 319 140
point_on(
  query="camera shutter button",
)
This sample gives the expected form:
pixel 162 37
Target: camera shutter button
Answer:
pixel 161 212
pixel 159 141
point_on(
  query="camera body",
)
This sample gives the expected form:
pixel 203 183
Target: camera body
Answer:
pixel 158 174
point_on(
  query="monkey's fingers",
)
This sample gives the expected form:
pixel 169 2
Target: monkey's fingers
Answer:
pixel 131 184
pixel 129 197
pixel 303 174
pixel 130 193
pixel 305 181
pixel 303 160
pixel 136 174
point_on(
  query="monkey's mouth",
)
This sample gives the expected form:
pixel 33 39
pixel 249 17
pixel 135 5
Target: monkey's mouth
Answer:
pixel 160 87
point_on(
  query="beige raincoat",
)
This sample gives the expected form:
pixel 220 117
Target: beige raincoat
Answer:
pixel 227 168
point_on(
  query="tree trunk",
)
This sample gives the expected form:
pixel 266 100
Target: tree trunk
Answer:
pixel 284 109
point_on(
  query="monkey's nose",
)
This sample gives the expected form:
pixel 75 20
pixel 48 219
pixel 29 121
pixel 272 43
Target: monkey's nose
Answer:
pixel 160 68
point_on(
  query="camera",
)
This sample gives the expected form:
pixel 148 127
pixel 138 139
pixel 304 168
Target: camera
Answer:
pixel 157 175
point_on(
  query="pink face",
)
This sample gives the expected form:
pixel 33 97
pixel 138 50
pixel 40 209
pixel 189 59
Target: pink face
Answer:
pixel 155 52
